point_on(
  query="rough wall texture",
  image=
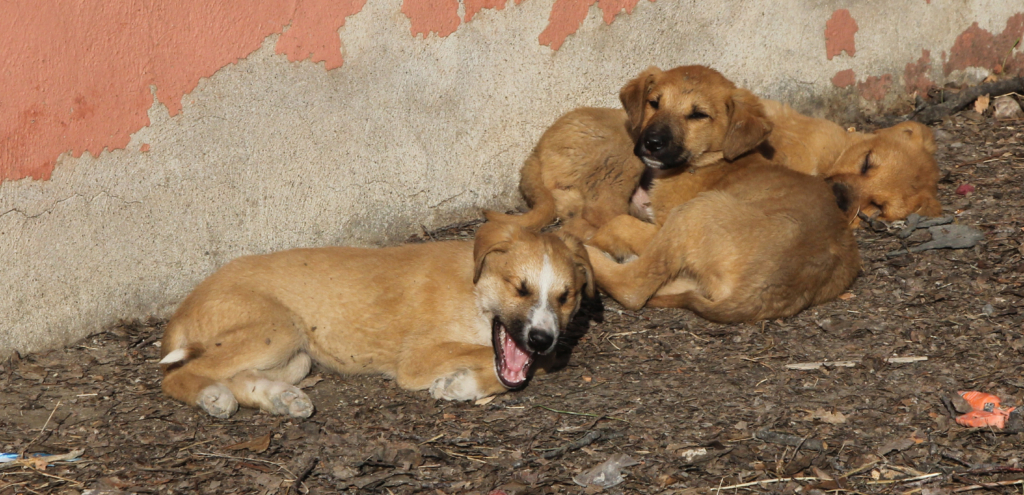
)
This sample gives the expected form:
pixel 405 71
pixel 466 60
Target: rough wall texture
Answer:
pixel 143 143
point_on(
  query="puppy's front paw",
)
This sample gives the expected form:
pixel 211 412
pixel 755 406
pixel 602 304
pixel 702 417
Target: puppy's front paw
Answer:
pixel 293 402
pixel 218 401
pixel 461 385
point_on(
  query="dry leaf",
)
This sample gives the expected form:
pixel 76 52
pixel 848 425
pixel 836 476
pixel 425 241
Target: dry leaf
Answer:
pixel 981 104
pixel 484 401
pixel 846 296
pixel 309 381
pixel 256 445
pixel 832 418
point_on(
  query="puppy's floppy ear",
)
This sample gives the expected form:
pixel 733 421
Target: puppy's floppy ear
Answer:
pixel 582 261
pixel 491 237
pixel 634 98
pixel 918 133
pixel 748 124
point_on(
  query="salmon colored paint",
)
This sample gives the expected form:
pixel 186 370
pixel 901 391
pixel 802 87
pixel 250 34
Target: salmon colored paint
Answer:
pixel 432 16
pixel 567 16
pixel 313 33
pixel 844 78
pixel 875 88
pixel 976 47
pixel 77 75
pixel 915 76
pixel 839 31
pixel 475 6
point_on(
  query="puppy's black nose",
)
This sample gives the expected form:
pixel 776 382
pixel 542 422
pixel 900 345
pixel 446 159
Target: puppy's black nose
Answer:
pixel 540 340
pixel 656 139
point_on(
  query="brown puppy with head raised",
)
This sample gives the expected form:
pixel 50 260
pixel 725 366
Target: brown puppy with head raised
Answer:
pixel 738 240
pixel 461 319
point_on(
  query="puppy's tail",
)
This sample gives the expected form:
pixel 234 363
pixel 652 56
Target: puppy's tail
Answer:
pixel 540 199
pixel 182 355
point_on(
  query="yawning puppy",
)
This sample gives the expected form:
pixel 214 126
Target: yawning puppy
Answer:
pixel 737 239
pixel 462 319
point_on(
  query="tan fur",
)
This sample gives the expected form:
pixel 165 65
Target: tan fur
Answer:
pixel 421 314
pixel 738 240
pixel 583 170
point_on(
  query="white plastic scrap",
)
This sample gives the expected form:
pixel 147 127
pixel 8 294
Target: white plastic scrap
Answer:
pixel 607 474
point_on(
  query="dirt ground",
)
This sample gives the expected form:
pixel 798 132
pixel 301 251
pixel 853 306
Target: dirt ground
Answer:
pixel 698 406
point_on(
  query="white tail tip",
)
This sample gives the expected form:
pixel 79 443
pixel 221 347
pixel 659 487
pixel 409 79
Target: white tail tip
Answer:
pixel 174 356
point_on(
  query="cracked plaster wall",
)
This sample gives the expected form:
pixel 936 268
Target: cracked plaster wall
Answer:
pixel 408 133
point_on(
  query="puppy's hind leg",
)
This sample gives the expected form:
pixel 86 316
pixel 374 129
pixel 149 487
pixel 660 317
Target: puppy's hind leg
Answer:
pixel 624 236
pixel 273 390
pixel 208 394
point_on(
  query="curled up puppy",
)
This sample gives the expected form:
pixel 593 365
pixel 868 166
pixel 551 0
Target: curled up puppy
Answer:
pixel 462 319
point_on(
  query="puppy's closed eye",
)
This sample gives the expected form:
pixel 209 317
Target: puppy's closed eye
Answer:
pixel 866 166
pixel 697 115
pixel 523 290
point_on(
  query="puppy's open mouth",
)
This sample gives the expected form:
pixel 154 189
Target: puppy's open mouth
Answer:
pixel 511 362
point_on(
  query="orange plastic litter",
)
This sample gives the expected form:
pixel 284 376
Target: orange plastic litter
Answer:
pixel 986 411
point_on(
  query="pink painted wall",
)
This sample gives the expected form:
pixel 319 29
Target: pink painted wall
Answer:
pixel 77 75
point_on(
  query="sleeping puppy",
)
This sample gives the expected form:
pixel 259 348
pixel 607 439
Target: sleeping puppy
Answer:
pixel 735 240
pixel 893 170
pixel 462 319
pixel 584 173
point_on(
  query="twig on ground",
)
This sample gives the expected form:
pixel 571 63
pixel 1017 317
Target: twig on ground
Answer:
pixel 849 364
pixel 250 459
pixel 790 440
pixel 935 113
pixel 765 482
pixel 997 484
pixel 589 415
pixel 591 437
pixel 41 430
pixel 903 480
pixel 303 475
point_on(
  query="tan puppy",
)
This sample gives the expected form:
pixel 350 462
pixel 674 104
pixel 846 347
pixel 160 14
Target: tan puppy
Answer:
pixel 462 319
pixel 892 170
pixel 583 171
pixel 738 240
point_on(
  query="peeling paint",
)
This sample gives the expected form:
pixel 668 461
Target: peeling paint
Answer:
pixel 88 88
pixel 976 47
pixel 432 16
pixel 473 7
pixel 314 28
pixel 567 16
pixel 844 78
pixel 839 32
pixel 875 88
pixel 915 76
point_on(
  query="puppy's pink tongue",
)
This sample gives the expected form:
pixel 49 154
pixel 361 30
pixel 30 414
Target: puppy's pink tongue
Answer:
pixel 516 360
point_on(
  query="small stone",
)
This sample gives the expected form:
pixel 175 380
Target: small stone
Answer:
pixel 1006 107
